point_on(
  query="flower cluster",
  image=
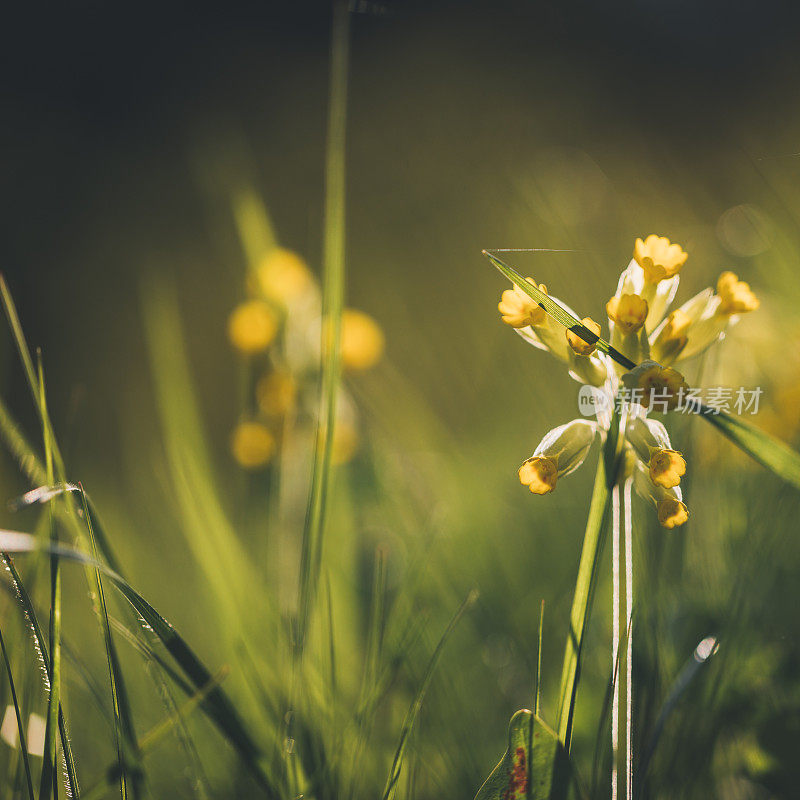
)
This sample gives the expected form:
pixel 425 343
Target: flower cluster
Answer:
pixel 645 331
pixel 278 331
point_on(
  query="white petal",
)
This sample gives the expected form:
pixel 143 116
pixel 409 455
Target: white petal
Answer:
pixel 568 444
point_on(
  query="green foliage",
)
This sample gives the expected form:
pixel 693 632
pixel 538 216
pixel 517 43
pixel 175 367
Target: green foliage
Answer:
pixel 535 765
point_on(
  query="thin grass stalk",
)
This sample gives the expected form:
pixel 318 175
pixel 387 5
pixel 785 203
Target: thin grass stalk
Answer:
pixel 416 703
pixel 332 302
pixel 23 744
pixel 537 690
pixel 124 731
pixel 49 774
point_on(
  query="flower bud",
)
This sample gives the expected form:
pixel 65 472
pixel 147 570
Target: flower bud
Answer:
pixel 628 312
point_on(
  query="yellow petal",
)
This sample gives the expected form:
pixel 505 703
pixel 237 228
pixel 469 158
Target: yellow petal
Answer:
pixel 672 512
pixel 539 474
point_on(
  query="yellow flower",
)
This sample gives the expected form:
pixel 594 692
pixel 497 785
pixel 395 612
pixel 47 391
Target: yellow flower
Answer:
pixel 283 276
pixel 652 383
pixel 628 311
pixel 345 443
pixel 672 337
pixel 276 393
pixel 666 467
pixel 252 444
pixel 252 326
pixel 658 258
pixel 672 512
pixel 519 309
pixel 735 296
pixel 362 340
pixel 539 474
pixel 579 345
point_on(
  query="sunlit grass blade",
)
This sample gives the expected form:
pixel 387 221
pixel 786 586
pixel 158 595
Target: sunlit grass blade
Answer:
pixel 559 313
pixel 216 704
pixel 128 755
pixel 332 302
pixel 23 745
pixel 591 551
pixel 41 650
pixel 759 445
pixel 416 703
pixel 49 775
pixel 31 375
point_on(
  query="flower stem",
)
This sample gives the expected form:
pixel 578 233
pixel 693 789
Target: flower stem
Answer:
pixel 605 479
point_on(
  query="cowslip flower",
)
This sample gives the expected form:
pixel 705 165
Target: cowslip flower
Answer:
pixel 643 328
pixel 561 452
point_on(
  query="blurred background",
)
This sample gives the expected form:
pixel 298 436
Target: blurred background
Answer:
pixel 471 125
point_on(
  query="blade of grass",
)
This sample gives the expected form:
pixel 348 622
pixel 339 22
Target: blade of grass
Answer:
pixel 416 703
pixel 701 654
pixel 539 661
pixel 332 302
pixel 559 313
pixel 20 725
pixel 771 453
pixel 49 775
pixel 41 650
pixel 124 731
pixel 596 524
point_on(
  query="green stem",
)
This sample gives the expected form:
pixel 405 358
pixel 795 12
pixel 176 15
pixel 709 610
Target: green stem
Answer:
pixel 607 470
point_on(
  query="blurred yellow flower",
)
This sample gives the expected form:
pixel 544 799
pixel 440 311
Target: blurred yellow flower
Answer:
pixel 735 296
pixel 252 326
pixel 658 258
pixel 672 512
pixel 519 309
pixel 539 474
pixel 252 444
pixel 345 443
pixel 276 393
pixel 667 467
pixel 283 276
pixel 578 345
pixel 362 340
pixel 628 312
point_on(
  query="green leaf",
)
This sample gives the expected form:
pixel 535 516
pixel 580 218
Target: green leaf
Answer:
pixel 768 451
pixel 535 766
